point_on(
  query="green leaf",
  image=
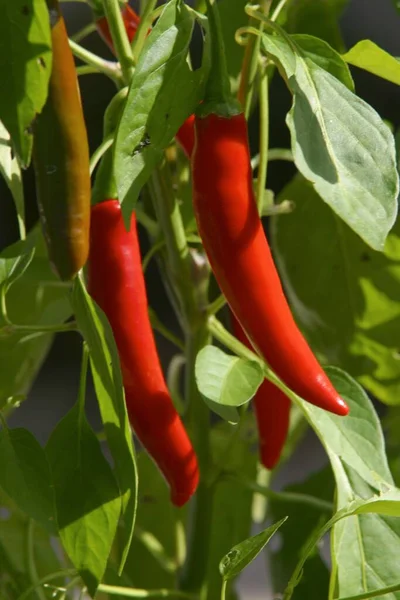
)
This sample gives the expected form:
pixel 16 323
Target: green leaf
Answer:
pixel 231 500
pixel 344 295
pixel 355 447
pixel 17 531
pixel 14 261
pixel 87 497
pixel 228 413
pixel 339 143
pixel 304 520
pixel 163 92
pixel 10 170
pixel 233 16
pixel 36 298
pixel 370 57
pixel 323 55
pixel 109 389
pixel 156 551
pixel 25 67
pixel 244 553
pixel 25 475
pixel 225 379
pixel 320 19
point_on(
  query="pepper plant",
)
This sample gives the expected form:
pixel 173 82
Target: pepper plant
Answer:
pixel 286 325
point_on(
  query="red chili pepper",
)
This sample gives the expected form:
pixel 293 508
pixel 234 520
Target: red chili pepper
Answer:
pixel 272 410
pixel 235 242
pixel 131 22
pixel 185 136
pixel 117 284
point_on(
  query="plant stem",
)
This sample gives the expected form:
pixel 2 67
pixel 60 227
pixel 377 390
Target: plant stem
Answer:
pixel 109 68
pixel 120 38
pixel 195 572
pixel 139 593
pixel 264 137
pixel 179 262
pixel 289 497
pixel 223 589
pixel 250 64
pixel 12 328
pixel 82 33
pixel 46 579
pixel 30 552
pixel 141 33
pixel 216 305
pixel 100 151
pixel 86 70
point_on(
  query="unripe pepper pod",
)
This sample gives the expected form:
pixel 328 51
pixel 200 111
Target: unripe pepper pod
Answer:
pixel 117 284
pixel 61 160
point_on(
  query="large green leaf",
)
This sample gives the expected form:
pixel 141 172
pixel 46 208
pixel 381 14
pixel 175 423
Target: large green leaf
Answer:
pixel 10 170
pixel 25 475
pixel 339 143
pixel 88 503
pixel 25 66
pixel 231 502
pixel 109 390
pixel 17 532
pixel 157 548
pixel 370 57
pixel 226 381
pixel 320 19
pixel 303 520
pixel 355 447
pixel 36 298
pixel 344 295
pixel 163 92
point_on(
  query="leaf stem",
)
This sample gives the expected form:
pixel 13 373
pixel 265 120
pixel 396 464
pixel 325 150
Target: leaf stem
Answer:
pixel 145 22
pixel 84 32
pixel 56 575
pixel 140 593
pixel 289 497
pixel 100 151
pixel 30 558
pixel 179 261
pixel 223 588
pixel 119 37
pixel 264 136
pixel 63 327
pixel 109 68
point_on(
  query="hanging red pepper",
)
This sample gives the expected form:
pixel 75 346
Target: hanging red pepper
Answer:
pixel 272 410
pixel 235 242
pixel 116 283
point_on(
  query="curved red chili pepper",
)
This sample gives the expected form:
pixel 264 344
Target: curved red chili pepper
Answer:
pixel 272 410
pixel 240 257
pixel 117 284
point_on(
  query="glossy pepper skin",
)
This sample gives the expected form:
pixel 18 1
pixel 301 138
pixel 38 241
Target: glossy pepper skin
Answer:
pixel 117 284
pixel 272 411
pixel 240 257
pixel 61 160
pixel 131 22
